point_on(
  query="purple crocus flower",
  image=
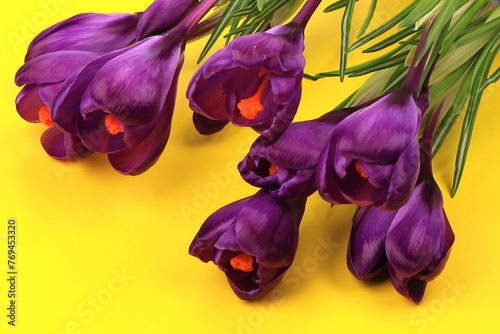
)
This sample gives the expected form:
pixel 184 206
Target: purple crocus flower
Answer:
pixel 419 241
pixel 255 81
pixel 414 242
pixel 286 166
pixel 372 157
pixel 253 241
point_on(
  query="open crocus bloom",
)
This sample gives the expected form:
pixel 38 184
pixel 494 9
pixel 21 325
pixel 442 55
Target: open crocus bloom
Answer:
pixel 286 166
pixel 253 241
pixel 255 81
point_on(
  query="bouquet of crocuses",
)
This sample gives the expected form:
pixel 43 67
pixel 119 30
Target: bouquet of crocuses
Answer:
pixel 107 83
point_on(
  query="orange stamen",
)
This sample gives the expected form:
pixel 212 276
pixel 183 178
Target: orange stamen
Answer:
pixel 272 170
pixel 112 125
pixel 242 262
pixel 360 171
pixel 251 106
pixel 44 116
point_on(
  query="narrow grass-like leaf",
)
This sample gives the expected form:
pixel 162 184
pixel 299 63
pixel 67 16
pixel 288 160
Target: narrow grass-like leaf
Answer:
pixel 450 80
pixel 361 67
pixel 368 19
pixel 422 8
pixel 336 5
pixel 440 25
pixel 482 30
pixel 397 78
pixel 391 40
pixel 345 30
pixel 219 28
pixel 391 62
pixel 433 55
pixel 384 27
pixel 344 103
pixel 462 23
pixel 492 79
pixel 260 4
pixel 482 67
pixel 236 20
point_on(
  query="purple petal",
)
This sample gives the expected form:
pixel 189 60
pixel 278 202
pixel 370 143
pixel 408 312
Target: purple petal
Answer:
pixel 62 146
pixel 28 103
pixel 257 291
pixel 93 32
pixel 53 67
pixel 138 159
pixel 134 85
pixel 404 177
pixel 409 287
pixel 366 249
pixel 272 49
pixel 66 105
pixel 380 132
pixel 207 126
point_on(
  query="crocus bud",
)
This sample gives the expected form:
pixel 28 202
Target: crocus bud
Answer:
pixel 253 241
pixel 286 166
pixel 418 241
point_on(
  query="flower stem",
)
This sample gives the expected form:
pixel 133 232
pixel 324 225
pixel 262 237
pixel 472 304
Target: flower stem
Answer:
pixel 415 73
pixel 197 14
pixel 305 13
pixel 427 139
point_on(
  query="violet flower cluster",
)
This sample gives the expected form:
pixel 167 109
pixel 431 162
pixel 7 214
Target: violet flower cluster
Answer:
pixel 107 83
pixel 368 155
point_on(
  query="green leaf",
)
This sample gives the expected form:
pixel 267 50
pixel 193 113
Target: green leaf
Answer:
pixel 492 79
pixel 368 19
pixel 384 27
pixel 236 20
pixel 364 66
pixel 400 59
pixel 345 30
pixel 422 8
pixel 260 4
pixel 450 80
pixel 482 30
pixel 344 103
pixel 482 68
pixel 397 78
pixel 219 28
pixel 336 5
pixel 440 25
pixel 391 40
pixel 462 23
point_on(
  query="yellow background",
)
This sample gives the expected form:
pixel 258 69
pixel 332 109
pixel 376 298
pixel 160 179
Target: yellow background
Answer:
pixel 99 252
